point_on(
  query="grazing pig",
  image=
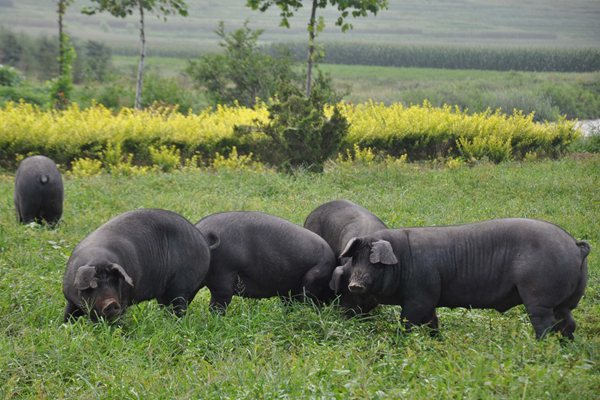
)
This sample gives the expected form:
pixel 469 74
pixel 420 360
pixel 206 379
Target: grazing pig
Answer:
pixel 337 222
pixel 494 264
pixel 258 255
pixel 38 191
pixel 139 255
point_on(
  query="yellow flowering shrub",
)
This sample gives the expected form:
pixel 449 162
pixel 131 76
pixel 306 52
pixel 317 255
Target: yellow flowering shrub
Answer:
pixel 234 161
pixel 84 167
pixel 126 137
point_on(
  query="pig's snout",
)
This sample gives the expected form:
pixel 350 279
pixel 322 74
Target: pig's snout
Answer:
pixel 111 309
pixel 357 288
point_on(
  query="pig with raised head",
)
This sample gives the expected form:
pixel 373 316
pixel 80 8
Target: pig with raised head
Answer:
pixel 337 222
pixel 39 191
pixel 139 255
pixel 258 255
pixel 494 264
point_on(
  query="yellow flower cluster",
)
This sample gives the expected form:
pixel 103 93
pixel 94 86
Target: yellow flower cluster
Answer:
pixel 419 131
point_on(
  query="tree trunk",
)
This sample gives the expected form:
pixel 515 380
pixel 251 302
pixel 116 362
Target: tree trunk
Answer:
pixel 61 38
pixel 140 72
pixel 311 46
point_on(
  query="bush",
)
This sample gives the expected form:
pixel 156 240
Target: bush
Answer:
pixel 10 76
pixel 169 92
pixel 166 158
pixel 300 132
pixel 237 162
pixel 23 93
pixel 577 101
pixel 308 133
pixel 589 143
pixel 83 167
pixel 242 74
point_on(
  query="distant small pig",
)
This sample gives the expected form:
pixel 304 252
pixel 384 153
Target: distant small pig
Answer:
pixel 38 191
pixel 494 264
pixel 337 222
pixel 139 255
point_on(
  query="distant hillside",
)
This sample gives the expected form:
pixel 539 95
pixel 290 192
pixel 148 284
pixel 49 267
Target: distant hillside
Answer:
pixel 520 23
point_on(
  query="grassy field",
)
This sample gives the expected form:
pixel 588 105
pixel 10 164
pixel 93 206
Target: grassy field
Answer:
pixel 548 94
pixel 262 349
pixel 553 23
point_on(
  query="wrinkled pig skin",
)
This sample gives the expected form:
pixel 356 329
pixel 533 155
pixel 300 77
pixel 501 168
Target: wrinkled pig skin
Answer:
pixel 495 264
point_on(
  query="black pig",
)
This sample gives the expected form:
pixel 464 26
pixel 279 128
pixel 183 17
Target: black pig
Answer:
pixel 337 222
pixel 139 255
pixel 38 191
pixel 493 264
pixel 258 255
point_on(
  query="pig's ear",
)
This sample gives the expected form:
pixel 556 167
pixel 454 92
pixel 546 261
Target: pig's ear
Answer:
pixel 336 279
pixel 382 252
pixel 213 240
pixel 120 270
pixel 85 277
pixel 350 248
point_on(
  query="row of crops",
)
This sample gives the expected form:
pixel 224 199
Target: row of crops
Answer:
pixel 454 57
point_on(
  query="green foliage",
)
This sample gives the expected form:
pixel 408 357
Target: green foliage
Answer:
pixel 235 162
pixel 580 100
pixel 354 8
pixel 61 88
pixel 357 155
pixel 166 158
pixel 588 144
pixel 25 92
pixel 113 157
pixel 84 167
pixel 357 8
pixel 291 131
pixel 301 134
pixel 11 50
pixel 10 76
pixel 123 8
pixel 243 74
pixel 169 92
pixel 455 57
pixel 115 94
pixel 263 349
pixel 492 147
pixel 38 57
pixel 97 61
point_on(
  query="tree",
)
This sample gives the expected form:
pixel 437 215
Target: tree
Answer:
pixel 11 51
pixel 63 85
pixel 97 60
pixel 243 73
pixel 63 39
pixel 123 8
pixel 300 132
pixel 355 8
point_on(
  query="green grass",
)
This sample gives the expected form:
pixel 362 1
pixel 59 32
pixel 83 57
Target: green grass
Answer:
pixel 262 349
pixel 165 66
pixel 548 94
